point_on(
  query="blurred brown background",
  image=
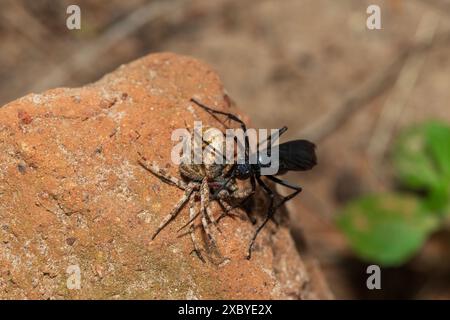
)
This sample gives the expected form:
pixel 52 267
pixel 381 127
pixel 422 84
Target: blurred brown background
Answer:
pixel 309 64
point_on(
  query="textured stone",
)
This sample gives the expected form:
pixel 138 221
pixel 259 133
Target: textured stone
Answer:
pixel 73 194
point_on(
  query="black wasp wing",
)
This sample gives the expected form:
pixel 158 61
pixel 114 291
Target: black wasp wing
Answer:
pixel 296 155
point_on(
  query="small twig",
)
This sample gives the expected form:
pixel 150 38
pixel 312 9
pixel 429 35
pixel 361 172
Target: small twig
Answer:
pixel 404 85
pixel 443 6
pixel 84 58
pixel 18 17
pixel 356 100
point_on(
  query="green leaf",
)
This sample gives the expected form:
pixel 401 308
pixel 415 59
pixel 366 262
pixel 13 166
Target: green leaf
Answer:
pixel 422 161
pixel 386 229
pixel 438 138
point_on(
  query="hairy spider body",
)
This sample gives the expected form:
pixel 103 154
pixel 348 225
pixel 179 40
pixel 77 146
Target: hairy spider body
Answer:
pixel 199 181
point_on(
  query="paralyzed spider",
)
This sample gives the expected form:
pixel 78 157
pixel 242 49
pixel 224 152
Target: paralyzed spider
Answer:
pixel 295 155
pixel 199 181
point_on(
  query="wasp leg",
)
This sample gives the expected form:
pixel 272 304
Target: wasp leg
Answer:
pixel 297 189
pixel 268 141
pixel 270 213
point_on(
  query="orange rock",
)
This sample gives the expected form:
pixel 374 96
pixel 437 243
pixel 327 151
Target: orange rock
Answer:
pixel 73 197
pixel 24 117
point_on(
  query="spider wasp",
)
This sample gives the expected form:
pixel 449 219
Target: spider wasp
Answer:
pixel 295 155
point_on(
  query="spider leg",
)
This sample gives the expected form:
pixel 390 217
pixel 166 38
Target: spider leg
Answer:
pixel 205 200
pixel 207 229
pixel 231 117
pixel 160 173
pixel 270 213
pixel 214 149
pixel 225 206
pixel 191 219
pixel 226 209
pixel 222 187
pixel 242 195
pixel 222 199
pixel 193 213
pixel 175 211
pixel 227 169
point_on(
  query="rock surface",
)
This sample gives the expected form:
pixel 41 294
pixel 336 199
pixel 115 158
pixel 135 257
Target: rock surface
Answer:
pixel 74 199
